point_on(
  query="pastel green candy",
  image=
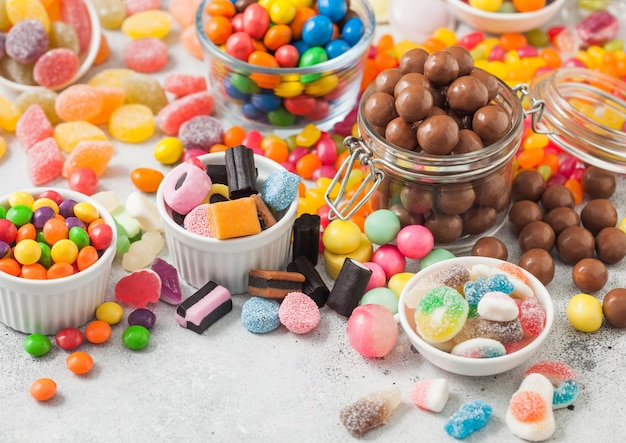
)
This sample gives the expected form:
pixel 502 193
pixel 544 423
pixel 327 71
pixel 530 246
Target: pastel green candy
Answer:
pixel 123 242
pixel 614 45
pixel 130 224
pixel 281 117
pixel 382 226
pixel 381 296
pixel 434 256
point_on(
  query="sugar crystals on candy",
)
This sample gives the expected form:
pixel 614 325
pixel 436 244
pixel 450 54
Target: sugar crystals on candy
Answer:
pixel 530 415
pixel 370 411
pixel 299 313
pixel 260 315
pixel 470 417
pixel 430 394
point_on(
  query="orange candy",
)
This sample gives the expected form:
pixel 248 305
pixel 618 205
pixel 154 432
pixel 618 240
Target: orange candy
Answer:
pixel 146 179
pixel 296 25
pixel 551 57
pixel 576 189
pixel 276 36
pixel 218 147
pixel 307 164
pixel 277 151
pixel 79 362
pixel 528 5
pixel 222 8
pixel 59 270
pixel 234 136
pixel 86 257
pixel 54 230
pixel 26 231
pixel 113 97
pixel 513 41
pixel 218 29
pixel 97 331
pixel 43 389
pixel 10 266
pixel 189 41
pixel 79 102
pixel 104 50
pixel 35 271
pixel 530 158
pixel 92 154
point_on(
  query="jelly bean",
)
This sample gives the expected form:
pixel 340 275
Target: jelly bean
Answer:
pixel 97 331
pixel 146 179
pixel 223 8
pixel 69 338
pixel 281 117
pixel 110 312
pixel 154 23
pixel 43 389
pixel 36 344
pixel 136 337
pixel 79 362
pixel 168 151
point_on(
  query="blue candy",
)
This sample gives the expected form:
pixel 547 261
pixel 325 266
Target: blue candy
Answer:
pixel 353 30
pixel 233 92
pixel 470 417
pixel 565 394
pixel 251 112
pixel 260 315
pixel 266 101
pixel 333 9
pixel 336 47
pixel 318 30
pixel 500 283
pixel 280 189
pixel 301 46
pixel 474 290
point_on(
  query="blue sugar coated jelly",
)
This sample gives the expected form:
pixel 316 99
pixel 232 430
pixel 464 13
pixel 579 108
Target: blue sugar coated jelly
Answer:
pixel 260 315
pixel 470 417
pixel 500 283
pixel 474 290
pixel 565 394
pixel 280 189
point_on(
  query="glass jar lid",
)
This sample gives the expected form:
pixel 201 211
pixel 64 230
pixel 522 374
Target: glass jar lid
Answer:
pixel 584 113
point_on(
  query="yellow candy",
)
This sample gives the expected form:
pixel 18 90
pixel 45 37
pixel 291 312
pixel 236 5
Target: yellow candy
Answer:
pixel 3 146
pixel 20 10
pixel 309 135
pixel 306 206
pixel 397 282
pixel 41 202
pixel 133 123
pixel 341 236
pixel 584 312
pixel 27 252
pixel 68 134
pixel 5 23
pixel 323 86
pixel 622 225
pixel 315 197
pixel 110 312
pixel 153 23
pixel 448 36
pixel 21 198
pixel 64 250
pixel 168 151
pixel 85 211
pixel 109 77
pixel 334 262
pixel 9 114
pixel 287 89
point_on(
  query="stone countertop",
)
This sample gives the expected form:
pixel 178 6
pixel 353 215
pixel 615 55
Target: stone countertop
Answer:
pixel 228 384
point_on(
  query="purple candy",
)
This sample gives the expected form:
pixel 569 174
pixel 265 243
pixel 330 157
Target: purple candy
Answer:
pixel 26 41
pixel 4 248
pixel 170 287
pixel 71 222
pixel 142 317
pixel 66 208
pixel 201 132
pixel 41 216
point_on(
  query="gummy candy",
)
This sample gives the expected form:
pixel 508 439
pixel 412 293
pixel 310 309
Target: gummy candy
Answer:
pixel 69 134
pixel 170 286
pixel 44 161
pixel 181 84
pixel 55 68
pixel 132 123
pixel 502 331
pixel 532 316
pixel 43 97
pixel 479 348
pixel 153 23
pixel 75 14
pixel 470 417
pixel 79 102
pixel 530 415
pixel 113 98
pixel 32 127
pixel 63 35
pixel 26 41
pixel 110 12
pixel 172 116
pixel 299 313
pixel 370 411
pixel 139 288
pixel 430 394
pixel 144 89
pixel 201 132
pixel 441 314
pixel 146 54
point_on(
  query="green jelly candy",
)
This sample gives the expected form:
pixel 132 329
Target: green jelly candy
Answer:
pixel 37 344
pixel 79 236
pixel 311 57
pixel 281 117
pixel 381 296
pixel 46 259
pixel 538 38
pixel 130 224
pixel 136 337
pixel 19 215
pixel 434 256
pixel 244 84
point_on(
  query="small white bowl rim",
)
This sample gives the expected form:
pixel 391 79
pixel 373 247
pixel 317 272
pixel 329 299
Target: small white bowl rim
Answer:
pixel 545 301
pixel 88 57
pixel 208 242
pixel 74 279
pixel 552 8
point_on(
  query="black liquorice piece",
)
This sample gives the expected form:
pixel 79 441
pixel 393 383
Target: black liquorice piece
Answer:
pixel 313 286
pixel 217 173
pixel 349 287
pixel 204 307
pixel 306 237
pixel 274 284
pixel 241 172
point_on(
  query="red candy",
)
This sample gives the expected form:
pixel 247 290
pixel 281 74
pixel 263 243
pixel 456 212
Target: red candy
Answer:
pixel 44 161
pixel 55 68
pixel 139 288
pixel 69 338
pixel 74 13
pixel 83 180
pixel 146 54
pixel 184 84
pixel 172 116
pixel 101 236
pixel 32 127
pixel 256 21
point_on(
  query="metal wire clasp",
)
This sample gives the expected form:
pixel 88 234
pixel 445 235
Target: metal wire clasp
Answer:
pixel 537 106
pixel 360 152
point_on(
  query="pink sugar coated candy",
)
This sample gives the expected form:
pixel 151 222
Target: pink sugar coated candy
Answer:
pixel 139 288
pixel 44 161
pixel 184 11
pixel 26 41
pixel 532 316
pixel 372 330
pixel 146 55
pixel 201 132
pixel 170 285
pixel 74 13
pixel 135 6
pixel 33 126
pixel 299 313
pixel 431 394
pixel 181 84
pixel 55 68
pixel 555 371
pixel 197 221
pixel 173 115
pixel 529 415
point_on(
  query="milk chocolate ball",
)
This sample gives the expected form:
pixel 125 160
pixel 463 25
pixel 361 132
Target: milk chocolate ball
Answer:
pixel 491 123
pixel 386 81
pixel 561 218
pixel 537 234
pixel 574 244
pixel 598 183
pixel 438 135
pixel 489 80
pixel 539 263
pixel 478 219
pixel 441 67
pixel 380 109
pixel 590 275
pixel 557 196
pixel 413 103
pixel 490 247
pixel 528 184
pixel 598 214
pixel 401 133
pixel 417 200
pixel 611 245
pixel 454 199
pixel 469 141
pixel 413 60
pixel 614 307
pixel 445 228
pixel 463 58
pixel 412 79
pixel 489 191
pixel 524 212
pixel 466 94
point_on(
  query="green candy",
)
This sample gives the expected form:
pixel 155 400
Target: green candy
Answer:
pixel 381 296
pixel 3 212
pixel 434 256
pixel 19 215
pixel 79 236
pixel 538 38
pixel 382 226
pixel 136 337
pixel 37 344
pixel 46 258
pixel 244 84
pixel 311 57
pixel 281 117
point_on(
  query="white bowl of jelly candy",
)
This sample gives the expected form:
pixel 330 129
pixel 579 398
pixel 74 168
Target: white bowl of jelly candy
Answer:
pixel 308 68
pixel 504 17
pixel 475 315
pixel 227 215
pixel 41 51
pixel 56 249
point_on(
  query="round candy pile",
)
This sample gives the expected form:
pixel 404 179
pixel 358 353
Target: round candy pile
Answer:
pixel 283 35
pixel 48 236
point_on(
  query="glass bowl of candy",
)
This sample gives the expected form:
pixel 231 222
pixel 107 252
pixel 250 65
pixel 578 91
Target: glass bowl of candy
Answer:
pixel 56 249
pixel 285 66
pixel 500 17
pixel 40 50
pixel 476 316
pixel 230 213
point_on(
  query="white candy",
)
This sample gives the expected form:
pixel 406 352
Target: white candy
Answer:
pixel 479 347
pixel 522 290
pixel 144 211
pixel 534 390
pixel 431 394
pixel 497 306
pixel 108 199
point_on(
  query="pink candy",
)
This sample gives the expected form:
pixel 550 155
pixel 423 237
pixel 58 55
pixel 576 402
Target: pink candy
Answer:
pixel 172 116
pixel 139 288
pixel 390 259
pixel 55 68
pixel 32 127
pixel 44 161
pixel 184 84
pixel 146 54
pixel 299 313
pixel 372 330
pixel 431 394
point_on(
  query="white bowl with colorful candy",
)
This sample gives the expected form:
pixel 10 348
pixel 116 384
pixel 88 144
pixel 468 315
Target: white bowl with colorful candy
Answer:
pixel 498 17
pixel 56 251
pixel 285 65
pixel 222 219
pixel 476 315
pixel 41 51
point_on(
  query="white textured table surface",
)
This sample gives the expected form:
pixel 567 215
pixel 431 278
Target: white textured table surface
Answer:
pixel 231 385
